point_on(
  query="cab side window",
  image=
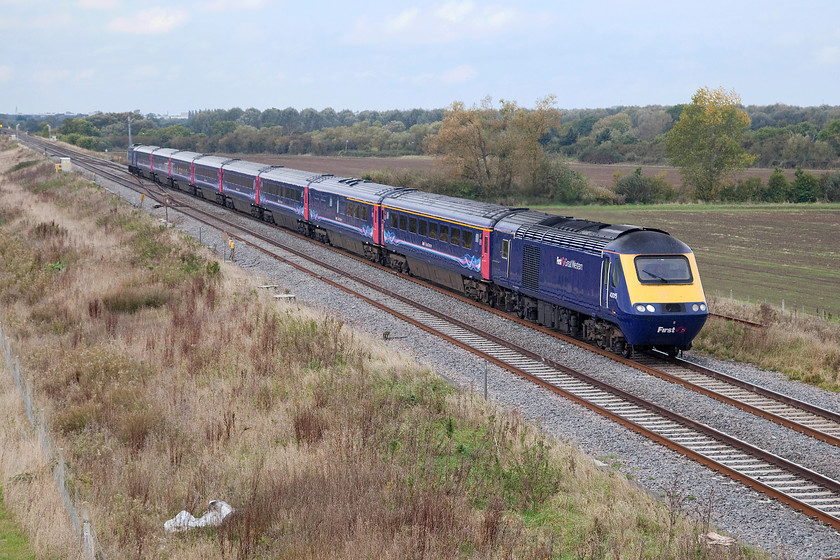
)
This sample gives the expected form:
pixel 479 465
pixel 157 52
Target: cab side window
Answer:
pixel 615 273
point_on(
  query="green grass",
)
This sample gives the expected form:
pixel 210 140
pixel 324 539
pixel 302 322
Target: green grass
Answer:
pixel 13 545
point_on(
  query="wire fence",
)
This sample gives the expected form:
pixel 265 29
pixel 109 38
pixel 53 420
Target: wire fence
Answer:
pixel 69 496
pixel 786 308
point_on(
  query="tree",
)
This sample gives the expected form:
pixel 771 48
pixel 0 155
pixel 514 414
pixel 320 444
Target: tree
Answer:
pixel 778 187
pixel 806 187
pixel 492 148
pixel 706 142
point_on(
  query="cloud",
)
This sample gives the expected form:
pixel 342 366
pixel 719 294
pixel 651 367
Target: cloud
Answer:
pixel 234 5
pixel 450 22
pixel 99 4
pixel 459 75
pixel 154 21
pixel 6 73
pixel 828 56
pixel 455 11
pixel 50 76
pixel 401 22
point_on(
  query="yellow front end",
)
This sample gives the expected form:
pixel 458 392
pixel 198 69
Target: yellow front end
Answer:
pixel 662 293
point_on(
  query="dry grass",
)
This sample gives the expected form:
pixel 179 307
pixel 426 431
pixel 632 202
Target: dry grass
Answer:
pixel 805 348
pixel 29 490
pixel 197 386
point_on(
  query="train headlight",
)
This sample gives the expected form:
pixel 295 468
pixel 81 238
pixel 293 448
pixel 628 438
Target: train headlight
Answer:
pixel 702 307
pixel 640 308
pixel 650 308
pixel 695 308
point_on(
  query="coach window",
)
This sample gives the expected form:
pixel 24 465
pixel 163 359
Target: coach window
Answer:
pixel 505 248
pixel 433 230
pixel 455 236
pixel 466 240
pixel 412 224
pixel 365 212
pixel 423 228
pixel 444 234
pixel 394 220
pixel 403 223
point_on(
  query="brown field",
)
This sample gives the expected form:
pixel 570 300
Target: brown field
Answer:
pixel 353 167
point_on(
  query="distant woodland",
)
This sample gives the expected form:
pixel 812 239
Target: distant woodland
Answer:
pixel 778 136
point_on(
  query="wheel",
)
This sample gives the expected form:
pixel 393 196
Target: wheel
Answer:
pixel 627 352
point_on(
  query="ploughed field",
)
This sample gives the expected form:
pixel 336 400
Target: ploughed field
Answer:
pixel 757 252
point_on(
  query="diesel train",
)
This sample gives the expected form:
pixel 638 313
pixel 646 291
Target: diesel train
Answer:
pixel 625 288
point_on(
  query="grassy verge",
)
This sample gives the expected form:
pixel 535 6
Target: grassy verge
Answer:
pixel 13 544
pixel 805 348
pixel 171 381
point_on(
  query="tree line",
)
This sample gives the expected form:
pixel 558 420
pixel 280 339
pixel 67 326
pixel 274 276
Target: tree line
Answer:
pixel 500 151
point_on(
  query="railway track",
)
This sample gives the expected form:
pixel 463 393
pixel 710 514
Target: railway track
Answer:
pixel 803 489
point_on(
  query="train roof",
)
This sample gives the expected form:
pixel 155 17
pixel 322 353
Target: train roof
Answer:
pixel 289 176
pixel 513 222
pixel 144 148
pixel 212 161
pixel 594 237
pixel 470 212
pixel 165 152
pixel 186 155
pixel 247 167
pixel 647 241
pixel 357 189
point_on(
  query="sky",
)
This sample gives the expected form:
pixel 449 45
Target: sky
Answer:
pixel 173 56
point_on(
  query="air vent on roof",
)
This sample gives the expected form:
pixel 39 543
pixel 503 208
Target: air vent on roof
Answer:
pixel 353 181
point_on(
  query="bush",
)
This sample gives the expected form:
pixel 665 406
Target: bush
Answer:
pixel 743 191
pixel 806 187
pixel 778 187
pixel 830 186
pixel 637 188
pixel 605 153
pixel 132 299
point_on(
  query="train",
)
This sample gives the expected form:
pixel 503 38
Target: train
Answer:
pixel 624 288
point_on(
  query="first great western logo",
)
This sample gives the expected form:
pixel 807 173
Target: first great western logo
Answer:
pixel 569 263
